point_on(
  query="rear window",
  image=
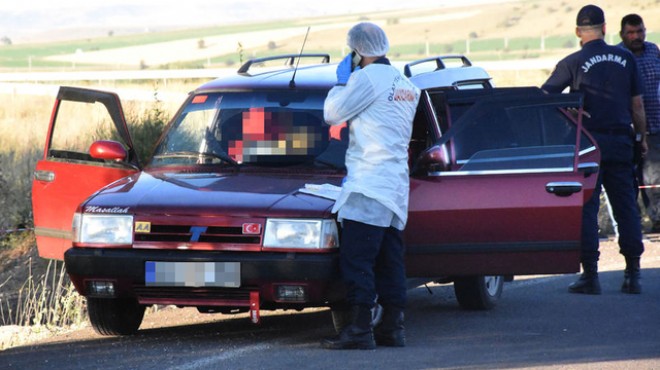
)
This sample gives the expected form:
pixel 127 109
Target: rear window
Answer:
pixel 253 128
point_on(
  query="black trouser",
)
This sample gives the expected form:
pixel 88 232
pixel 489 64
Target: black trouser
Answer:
pixel 372 263
pixel 617 176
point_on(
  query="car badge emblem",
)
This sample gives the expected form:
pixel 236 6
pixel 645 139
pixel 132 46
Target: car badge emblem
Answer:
pixel 251 228
pixel 196 232
pixel 143 227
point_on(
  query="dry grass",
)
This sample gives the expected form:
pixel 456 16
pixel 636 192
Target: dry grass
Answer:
pixel 49 299
pixel 36 297
pixel 34 292
pixel 23 121
pixel 519 77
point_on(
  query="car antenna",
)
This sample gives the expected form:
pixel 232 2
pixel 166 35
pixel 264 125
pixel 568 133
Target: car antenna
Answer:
pixel 292 83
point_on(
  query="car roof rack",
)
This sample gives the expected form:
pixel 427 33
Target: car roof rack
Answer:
pixel 439 61
pixel 289 60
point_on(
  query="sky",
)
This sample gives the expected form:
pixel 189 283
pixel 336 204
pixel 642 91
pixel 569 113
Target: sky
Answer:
pixel 32 19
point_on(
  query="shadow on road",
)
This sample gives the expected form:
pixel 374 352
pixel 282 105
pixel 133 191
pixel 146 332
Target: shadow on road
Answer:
pixel 536 324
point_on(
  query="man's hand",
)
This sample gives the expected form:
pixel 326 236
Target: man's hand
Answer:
pixel 574 112
pixel 344 70
pixel 645 147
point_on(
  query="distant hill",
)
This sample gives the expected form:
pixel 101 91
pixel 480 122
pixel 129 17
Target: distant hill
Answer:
pixel 43 20
pixel 134 35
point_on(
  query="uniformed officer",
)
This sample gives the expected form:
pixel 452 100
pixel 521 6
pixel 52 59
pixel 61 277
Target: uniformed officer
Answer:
pixel 612 87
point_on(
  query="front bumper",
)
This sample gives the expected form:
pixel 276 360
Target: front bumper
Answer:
pixel 260 272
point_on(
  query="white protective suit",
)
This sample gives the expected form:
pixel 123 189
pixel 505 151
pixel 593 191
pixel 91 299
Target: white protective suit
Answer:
pixel 380 104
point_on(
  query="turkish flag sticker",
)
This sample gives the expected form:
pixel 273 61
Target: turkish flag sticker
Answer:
pixel 251 228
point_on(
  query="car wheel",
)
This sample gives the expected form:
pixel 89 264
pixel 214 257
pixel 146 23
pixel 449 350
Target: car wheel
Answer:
pixel 478 292
pixel 115 316
pixel 342 318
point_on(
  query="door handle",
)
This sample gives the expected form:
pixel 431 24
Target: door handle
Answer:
pixel 46 176
pixel 588 168
pixel 563 189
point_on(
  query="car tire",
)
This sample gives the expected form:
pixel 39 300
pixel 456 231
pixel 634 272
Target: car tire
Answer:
pixel 478 292
pixel 115 316
pixel 342 318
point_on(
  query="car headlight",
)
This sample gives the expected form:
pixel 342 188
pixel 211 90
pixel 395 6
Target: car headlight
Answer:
pixel 103 229
pixel 300 234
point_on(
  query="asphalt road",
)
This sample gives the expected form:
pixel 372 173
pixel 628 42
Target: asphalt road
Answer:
pixel 537 324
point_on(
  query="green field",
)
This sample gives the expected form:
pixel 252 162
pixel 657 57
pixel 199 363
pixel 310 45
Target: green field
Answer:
pixel 33 56
pixel 480 50
pixel 20 56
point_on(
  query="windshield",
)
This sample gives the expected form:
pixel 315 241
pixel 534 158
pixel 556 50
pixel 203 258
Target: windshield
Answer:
pixel 275 128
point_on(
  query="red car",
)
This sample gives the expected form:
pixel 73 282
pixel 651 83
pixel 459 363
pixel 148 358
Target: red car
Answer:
pixel 232 212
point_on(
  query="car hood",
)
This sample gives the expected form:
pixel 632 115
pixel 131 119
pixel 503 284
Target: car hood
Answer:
pixel 210 194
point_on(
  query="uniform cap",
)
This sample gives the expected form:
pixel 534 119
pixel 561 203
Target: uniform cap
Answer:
pixel 590 15
pixel 368 40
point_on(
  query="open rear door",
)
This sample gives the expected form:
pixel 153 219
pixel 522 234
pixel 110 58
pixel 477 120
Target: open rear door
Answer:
pixel 511 203
pixel 67 174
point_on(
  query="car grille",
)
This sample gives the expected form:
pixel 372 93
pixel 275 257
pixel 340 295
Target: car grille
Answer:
pixel 188 233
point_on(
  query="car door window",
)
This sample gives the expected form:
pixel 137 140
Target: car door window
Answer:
pixel 78 125
pixel 511 132
pixel 525 137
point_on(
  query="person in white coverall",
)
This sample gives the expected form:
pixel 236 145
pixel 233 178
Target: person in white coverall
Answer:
pixel 379 104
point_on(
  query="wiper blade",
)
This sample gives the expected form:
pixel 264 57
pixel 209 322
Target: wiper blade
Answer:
pixel 188 154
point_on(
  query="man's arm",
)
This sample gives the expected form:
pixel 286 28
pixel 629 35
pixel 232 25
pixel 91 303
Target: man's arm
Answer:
pixel 345 102
pixel 639 120
pixel 559 79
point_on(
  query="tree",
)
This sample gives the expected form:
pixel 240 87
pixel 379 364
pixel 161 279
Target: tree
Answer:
pixel 5 40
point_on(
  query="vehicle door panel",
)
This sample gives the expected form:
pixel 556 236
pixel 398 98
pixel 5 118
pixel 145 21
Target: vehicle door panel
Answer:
pixel 499 212
pixel 67 175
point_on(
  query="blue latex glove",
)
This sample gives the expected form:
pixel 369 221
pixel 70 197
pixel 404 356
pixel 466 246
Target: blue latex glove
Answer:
pixel 344 70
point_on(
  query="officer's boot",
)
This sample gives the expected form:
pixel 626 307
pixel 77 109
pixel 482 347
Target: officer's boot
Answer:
pixel 631 276
pixel 588 282
pixel 390 332
pixel 357 335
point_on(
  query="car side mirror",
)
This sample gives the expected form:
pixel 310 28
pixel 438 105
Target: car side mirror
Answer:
pixel 108 150
pixel 433 159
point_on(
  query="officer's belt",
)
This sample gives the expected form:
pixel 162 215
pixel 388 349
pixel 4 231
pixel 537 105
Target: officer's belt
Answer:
pixel 612 131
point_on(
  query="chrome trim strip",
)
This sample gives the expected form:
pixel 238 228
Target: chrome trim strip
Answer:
pixel 523 157
pixel 53 233
pixel 588 150
pixel 502 172
pixel 581 153
pixel 434 119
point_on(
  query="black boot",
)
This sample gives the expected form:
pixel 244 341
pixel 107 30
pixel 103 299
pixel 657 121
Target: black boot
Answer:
pixel 588 282
pixel 390 332
pixel 631 276
pixel 357 335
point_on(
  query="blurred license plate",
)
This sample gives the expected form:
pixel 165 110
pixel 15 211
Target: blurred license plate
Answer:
pixel 193 274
